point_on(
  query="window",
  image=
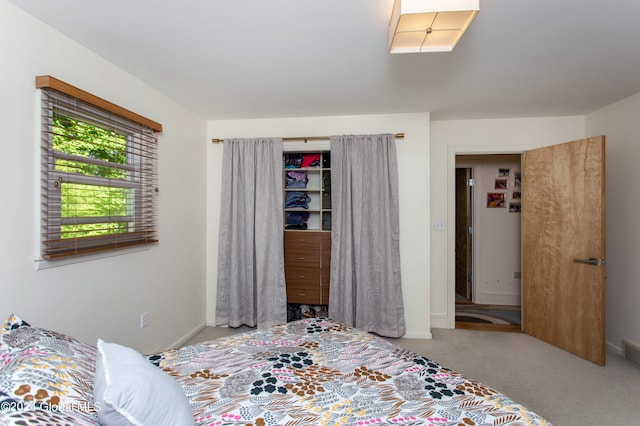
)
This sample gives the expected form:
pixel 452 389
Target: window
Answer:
pixel 98 173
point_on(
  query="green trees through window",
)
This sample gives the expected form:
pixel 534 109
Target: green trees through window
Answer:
pixel 89 151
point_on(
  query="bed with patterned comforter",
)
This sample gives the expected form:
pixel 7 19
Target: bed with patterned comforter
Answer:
pixel 321 372
pixel 309 372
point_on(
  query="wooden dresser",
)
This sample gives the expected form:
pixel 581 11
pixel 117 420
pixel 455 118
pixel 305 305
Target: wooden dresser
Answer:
pixel 307 265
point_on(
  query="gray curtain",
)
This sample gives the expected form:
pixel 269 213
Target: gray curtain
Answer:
pixel 365 288
pixel 251 284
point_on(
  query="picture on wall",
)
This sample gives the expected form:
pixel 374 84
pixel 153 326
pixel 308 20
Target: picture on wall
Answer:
pixel 495 200
pixel 516 195
pixel 515 207
pixel 517 182
pixel 501 184
pixel 504 172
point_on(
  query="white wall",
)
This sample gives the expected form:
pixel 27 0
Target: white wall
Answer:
pixel 449 138
pixel 620 123
pixel 496 233
pixel 413 164
pixel 100 298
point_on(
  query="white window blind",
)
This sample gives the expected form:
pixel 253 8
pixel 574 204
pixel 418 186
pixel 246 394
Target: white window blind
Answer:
pixel 99 176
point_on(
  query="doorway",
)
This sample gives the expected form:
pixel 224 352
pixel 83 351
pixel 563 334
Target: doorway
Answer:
pixel 487 242
pixel 464 215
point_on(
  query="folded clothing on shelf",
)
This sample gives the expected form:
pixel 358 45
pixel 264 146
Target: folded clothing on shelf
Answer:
pixel 297 161
pixel 297 199
pixel 293 161
pixel 297 220
pixel 310 160
pixel 296 180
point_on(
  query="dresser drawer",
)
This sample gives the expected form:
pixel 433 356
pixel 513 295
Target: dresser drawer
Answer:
pixel 303 285
pixel 303 296
pixel 302 240
pixel 300 276
pixel 301 258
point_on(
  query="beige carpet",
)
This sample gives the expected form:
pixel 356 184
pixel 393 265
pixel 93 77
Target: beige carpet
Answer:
pixel 564 389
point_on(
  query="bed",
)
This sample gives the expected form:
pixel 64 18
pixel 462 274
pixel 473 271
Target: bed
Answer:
pixel 310 372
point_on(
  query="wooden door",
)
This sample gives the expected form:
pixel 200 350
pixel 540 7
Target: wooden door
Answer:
pixel 463 238
pixel 563 208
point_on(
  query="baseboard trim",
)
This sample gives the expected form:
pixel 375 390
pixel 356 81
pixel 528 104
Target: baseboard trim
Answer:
pixel 617 349
pixel 184 339
pixel 418 335
pixel 441 321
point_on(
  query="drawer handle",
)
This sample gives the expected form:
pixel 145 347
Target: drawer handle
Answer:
pixel 302 241
pixel 302 294
pixel 302 258
pixel 302 276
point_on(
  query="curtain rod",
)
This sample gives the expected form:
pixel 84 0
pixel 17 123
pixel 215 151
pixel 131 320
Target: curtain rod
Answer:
pixel 309 138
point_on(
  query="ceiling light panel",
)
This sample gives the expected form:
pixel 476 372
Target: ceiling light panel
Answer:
pixel 429 25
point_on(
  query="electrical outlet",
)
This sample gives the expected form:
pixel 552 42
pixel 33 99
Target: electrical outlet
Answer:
pixel 144 319
pixel 440 225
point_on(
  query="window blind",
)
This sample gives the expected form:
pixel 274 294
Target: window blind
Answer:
pixel 98 178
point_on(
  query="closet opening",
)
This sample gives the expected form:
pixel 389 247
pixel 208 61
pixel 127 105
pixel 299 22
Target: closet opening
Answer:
pixel 307 231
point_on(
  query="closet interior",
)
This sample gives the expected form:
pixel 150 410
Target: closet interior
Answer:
pixel 307 232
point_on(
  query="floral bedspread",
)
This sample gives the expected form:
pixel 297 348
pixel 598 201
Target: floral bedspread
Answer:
pixel 321 372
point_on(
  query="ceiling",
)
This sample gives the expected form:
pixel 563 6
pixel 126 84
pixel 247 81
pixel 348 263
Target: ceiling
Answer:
pixel 239 59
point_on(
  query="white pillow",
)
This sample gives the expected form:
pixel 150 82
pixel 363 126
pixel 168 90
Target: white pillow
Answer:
pixel 129 390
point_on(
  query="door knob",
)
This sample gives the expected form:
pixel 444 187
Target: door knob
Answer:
pixel 591 261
